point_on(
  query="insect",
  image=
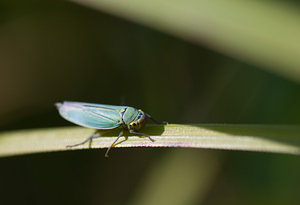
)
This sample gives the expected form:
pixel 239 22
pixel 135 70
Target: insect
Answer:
pixel 105 117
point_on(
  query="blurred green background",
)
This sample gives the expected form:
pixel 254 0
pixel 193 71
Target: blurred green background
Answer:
pixel 53 51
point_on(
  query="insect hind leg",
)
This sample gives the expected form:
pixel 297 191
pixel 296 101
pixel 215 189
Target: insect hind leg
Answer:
pixel 94 135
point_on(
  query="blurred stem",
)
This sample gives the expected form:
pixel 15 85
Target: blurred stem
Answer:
pixel 264 138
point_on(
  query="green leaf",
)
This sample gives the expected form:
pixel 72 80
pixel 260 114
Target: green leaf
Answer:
pixel 264 138
pixel 264 33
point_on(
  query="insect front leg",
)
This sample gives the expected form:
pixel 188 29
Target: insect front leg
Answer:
pixel 142 134
pixel 154 120
pixel 94 135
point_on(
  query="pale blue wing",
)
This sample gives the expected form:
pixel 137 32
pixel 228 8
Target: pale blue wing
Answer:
pixel 97 116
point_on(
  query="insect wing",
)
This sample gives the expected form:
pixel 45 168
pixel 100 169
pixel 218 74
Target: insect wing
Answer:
pixel 97 116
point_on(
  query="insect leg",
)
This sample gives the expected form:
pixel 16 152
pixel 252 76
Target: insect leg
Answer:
pixel 142 134
pixel 95 134
pixel 115 143
pixel 157 122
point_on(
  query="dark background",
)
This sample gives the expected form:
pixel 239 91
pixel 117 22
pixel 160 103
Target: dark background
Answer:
pixel 55 51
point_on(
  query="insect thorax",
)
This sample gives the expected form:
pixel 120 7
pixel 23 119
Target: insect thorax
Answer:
pixel 138 122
